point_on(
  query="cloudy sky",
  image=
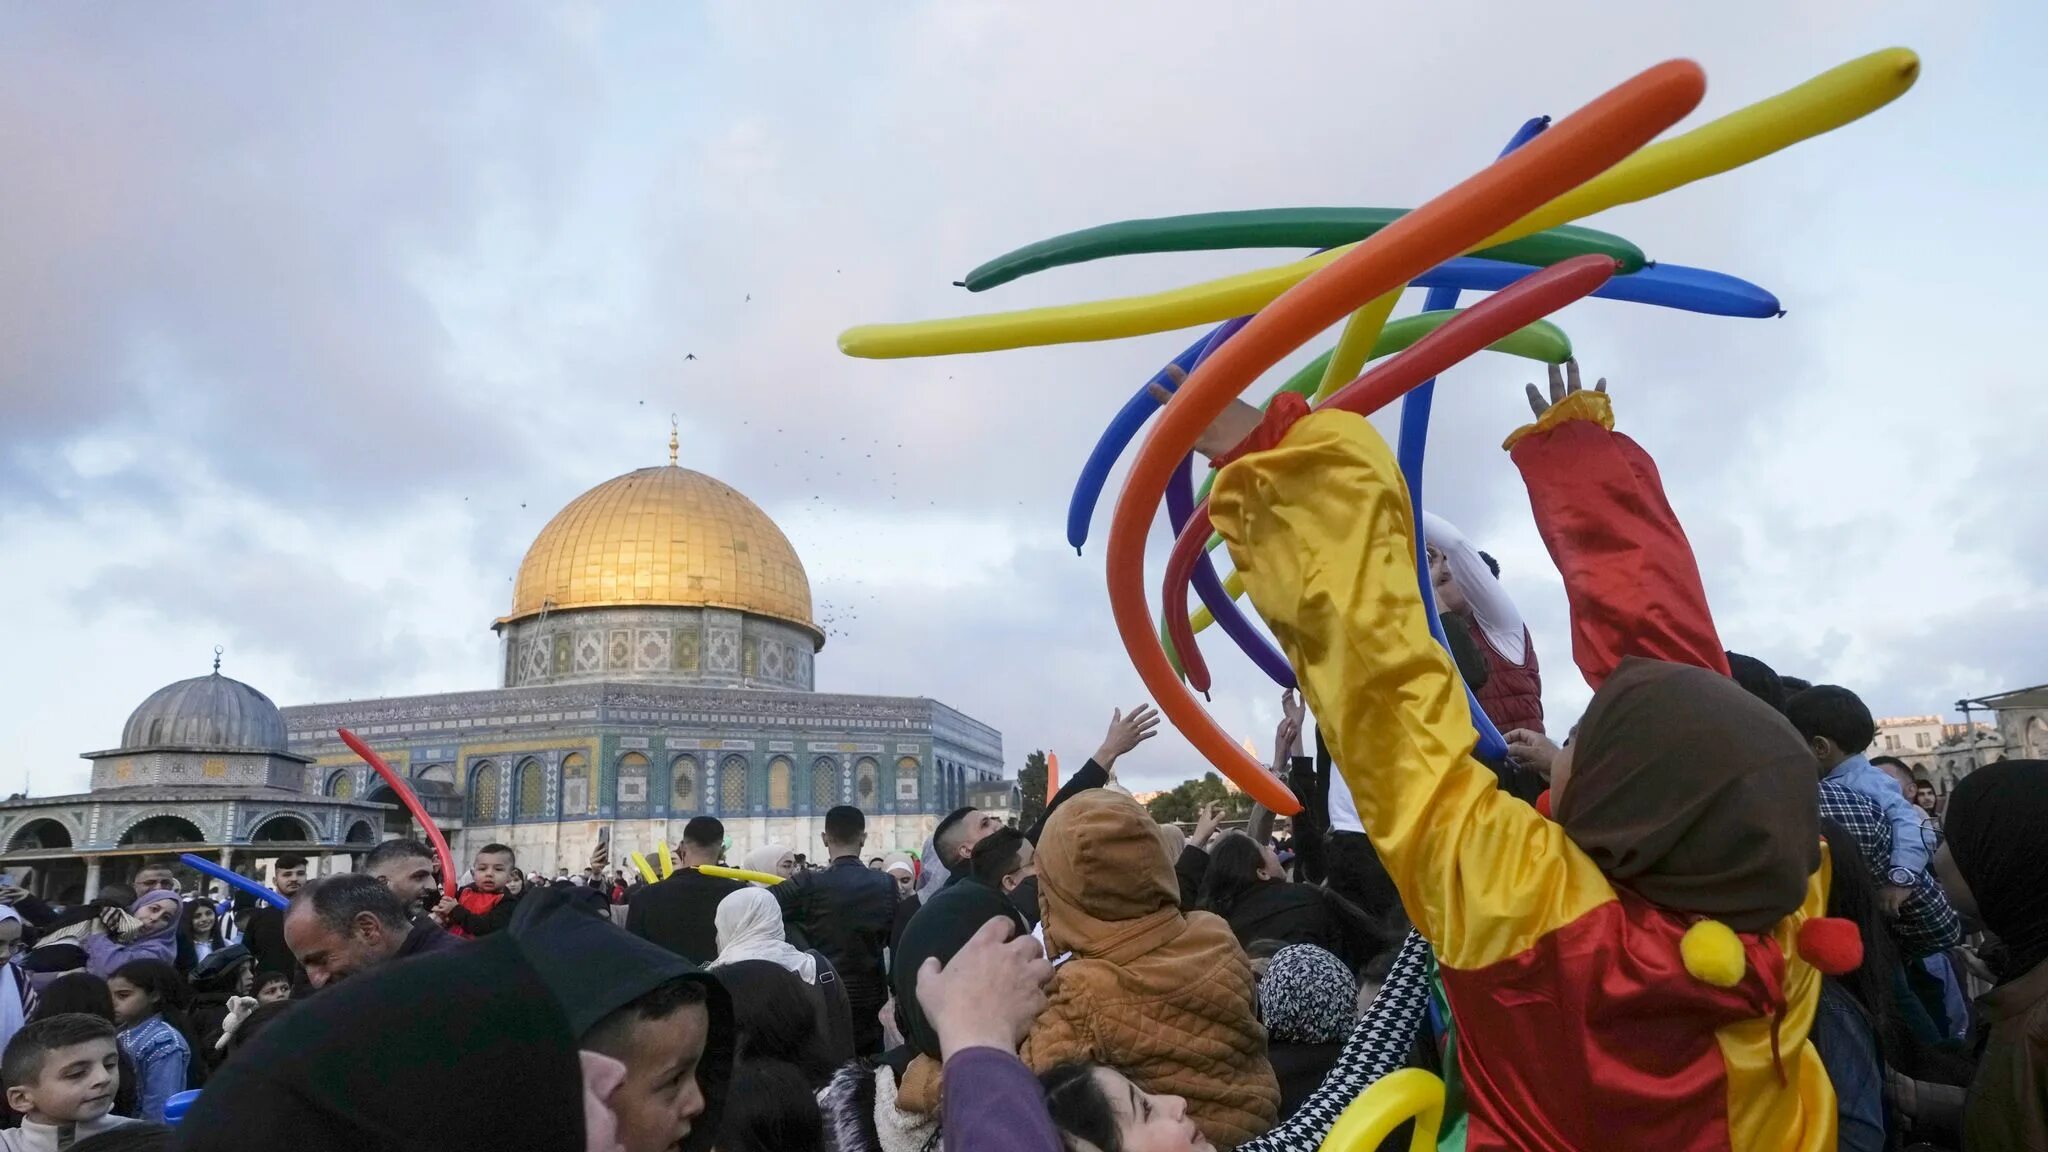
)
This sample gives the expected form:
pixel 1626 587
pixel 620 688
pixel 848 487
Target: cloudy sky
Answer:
pixel 308 325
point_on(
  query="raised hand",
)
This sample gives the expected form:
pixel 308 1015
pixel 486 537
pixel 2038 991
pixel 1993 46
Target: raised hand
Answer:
pixel 989 994
pixel 1126 733
pixel 1206 824
pixel 1531 750
pixel 1562 384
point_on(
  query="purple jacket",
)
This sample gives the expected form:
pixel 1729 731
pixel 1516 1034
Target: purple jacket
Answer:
pixel 104 955
pixel 992 1103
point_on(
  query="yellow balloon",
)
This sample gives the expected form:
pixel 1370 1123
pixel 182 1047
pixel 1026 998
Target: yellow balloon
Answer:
pixel 1354 347
pixel 1233 587
pixel 668 863
pixel 640 862
pixel 740 874
pixel 1408 1094
pixel 1824 103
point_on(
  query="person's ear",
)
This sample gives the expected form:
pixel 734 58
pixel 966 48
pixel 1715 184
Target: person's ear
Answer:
pixel 1820 746
pixel 21 1098
pixel 368 927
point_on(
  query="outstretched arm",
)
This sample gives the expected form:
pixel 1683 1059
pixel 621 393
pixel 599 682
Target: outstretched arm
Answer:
pixel 1628 568
pixel 1319 525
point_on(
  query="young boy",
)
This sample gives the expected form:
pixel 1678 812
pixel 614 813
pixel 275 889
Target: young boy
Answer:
pixel 61 1073
pixel 485 906
pixel 1837 726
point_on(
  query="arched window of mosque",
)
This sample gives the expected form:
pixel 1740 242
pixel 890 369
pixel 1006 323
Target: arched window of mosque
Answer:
pixel 779 784
pixel 824 783
pixel 633 778
pixel 732 786
pixel 906 780
pixel 575 784
pixel 866 778
pixel 533 786
pixel 684 772
pixel 342 785
pixel 483 792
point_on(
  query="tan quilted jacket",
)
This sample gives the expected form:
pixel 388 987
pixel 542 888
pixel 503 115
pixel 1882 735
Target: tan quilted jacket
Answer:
pixel 1167 999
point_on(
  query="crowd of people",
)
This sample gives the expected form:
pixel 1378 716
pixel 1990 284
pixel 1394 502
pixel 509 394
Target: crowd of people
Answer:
pixel 1702 916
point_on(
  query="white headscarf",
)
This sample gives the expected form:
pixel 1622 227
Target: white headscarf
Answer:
pixel 13 989
pixel 767 858
pixel 749 924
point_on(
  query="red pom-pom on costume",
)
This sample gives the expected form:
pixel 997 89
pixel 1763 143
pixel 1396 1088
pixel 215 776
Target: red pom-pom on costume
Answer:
pixel 1831 944
pixel 1543 805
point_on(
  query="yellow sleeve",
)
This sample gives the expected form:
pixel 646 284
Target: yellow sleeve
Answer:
pixel 1320 528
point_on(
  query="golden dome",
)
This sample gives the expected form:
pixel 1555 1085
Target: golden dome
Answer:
pixel 663 537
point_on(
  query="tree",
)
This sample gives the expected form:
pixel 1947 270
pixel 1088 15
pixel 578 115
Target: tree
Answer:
pixel 1031 782
pixel 1184 803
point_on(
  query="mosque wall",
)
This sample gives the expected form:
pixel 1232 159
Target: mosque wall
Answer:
pixel 568 844
pixel 712 647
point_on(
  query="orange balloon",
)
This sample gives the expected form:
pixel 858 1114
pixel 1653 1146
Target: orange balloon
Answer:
pixel 1052 775
pixel 1574 150
pixel 1508 310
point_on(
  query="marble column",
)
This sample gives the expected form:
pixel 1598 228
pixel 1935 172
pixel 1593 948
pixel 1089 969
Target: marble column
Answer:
pixel 92 877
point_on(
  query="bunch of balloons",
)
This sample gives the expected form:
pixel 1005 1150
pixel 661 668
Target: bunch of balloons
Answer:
pixel 1506 230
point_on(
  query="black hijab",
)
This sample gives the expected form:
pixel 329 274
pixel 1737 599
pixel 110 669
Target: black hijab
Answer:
pixel 1694 795
pixel 1995 820
pixel 463 1049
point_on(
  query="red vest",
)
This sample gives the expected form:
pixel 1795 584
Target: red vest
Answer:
pixel 1513 695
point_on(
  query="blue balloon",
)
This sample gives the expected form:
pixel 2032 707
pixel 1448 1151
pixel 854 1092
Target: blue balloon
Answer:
pixel 1664 285
pixel 234 879
pixel 1124 428
pixel 1491 749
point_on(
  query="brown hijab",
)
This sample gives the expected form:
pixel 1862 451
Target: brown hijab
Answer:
pixel 1694 795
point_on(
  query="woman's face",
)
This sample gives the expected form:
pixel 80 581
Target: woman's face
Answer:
pixel 156 914
pixel 903 881
pixel 785 865
pixel 1269 863
pixel 245 980
pixel 1148 1123
pixel 131 1004
pixel 1449 597
pixel 203 917
pixel 515 883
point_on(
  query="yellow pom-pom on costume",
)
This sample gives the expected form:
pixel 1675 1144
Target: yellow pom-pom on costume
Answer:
pixel 1713 953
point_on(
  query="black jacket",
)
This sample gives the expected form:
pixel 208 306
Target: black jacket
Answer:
pixel 1306 914
pixel 940 929
pixel 846 911
pixel 425 939
pixel 265 939
pixel 676 913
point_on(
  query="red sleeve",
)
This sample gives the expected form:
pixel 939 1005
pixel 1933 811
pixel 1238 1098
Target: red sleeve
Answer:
pixel 1628 569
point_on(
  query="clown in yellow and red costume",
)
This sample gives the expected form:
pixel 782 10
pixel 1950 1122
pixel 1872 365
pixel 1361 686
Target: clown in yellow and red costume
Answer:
pixel 1628 975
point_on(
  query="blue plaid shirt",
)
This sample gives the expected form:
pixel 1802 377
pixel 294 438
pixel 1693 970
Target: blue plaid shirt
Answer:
pixel 1926 924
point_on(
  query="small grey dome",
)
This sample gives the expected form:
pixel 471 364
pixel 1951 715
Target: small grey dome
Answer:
pixel 211 712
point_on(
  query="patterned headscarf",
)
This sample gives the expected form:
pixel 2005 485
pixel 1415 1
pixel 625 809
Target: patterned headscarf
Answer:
pixel 1308 996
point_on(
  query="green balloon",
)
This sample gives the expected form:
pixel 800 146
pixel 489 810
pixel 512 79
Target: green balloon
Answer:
pixel 1275 228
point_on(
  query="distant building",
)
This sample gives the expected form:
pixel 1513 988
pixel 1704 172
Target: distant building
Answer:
pixel 658 665
pixel 1003 799
pixel 1913 739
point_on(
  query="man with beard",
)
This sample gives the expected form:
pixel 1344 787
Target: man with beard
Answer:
pixel 338 926
pixel 407 868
